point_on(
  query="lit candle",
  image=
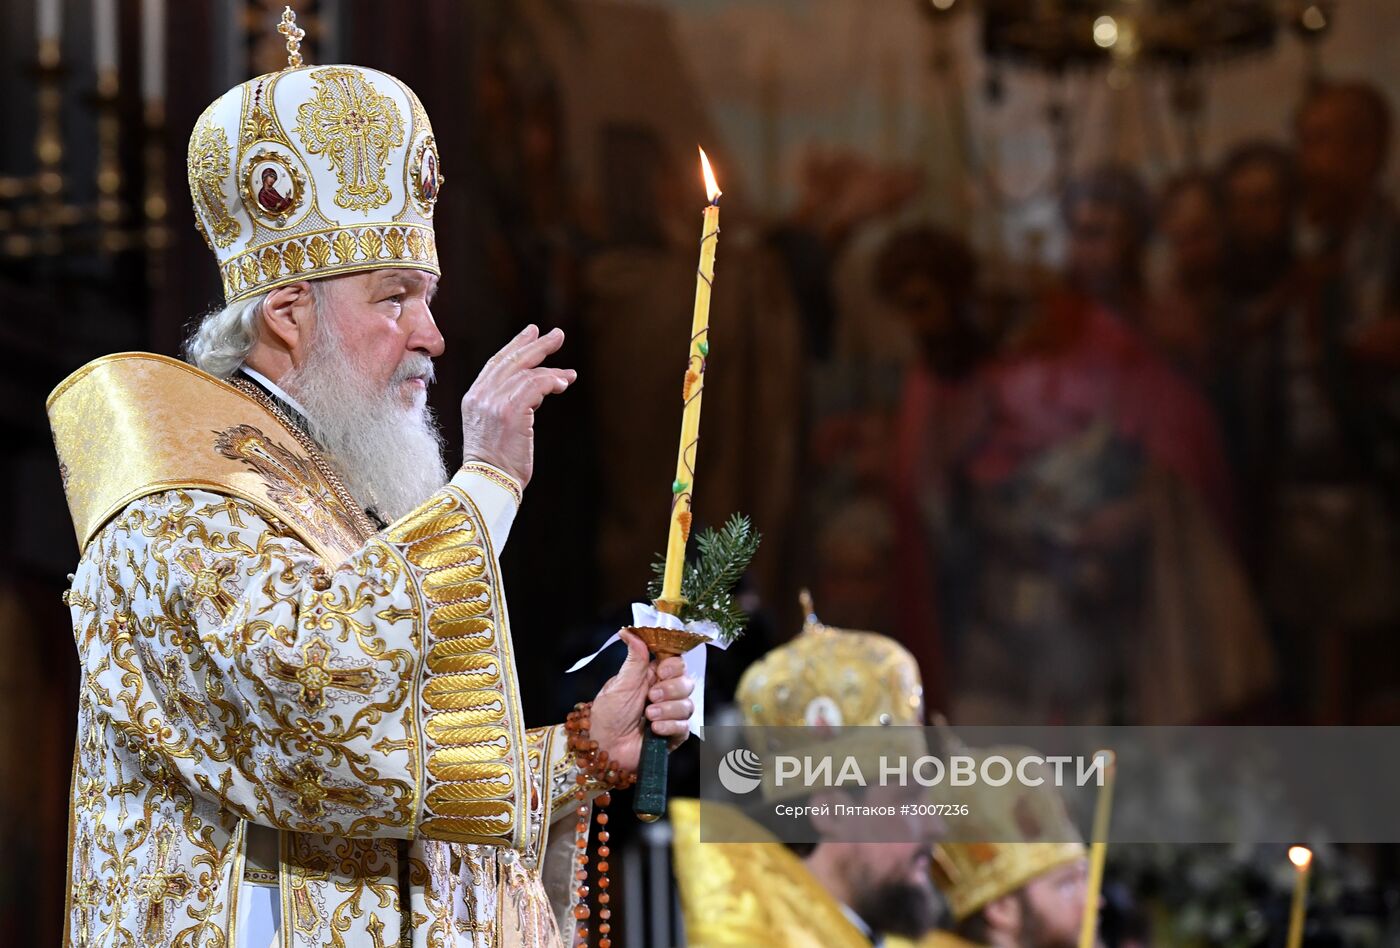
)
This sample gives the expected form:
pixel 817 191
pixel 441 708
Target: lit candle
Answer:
pixel 1098 852
pixel 104 38
pixel 153 51
pixel 49 17
pixel 1301 857
pixel 683 488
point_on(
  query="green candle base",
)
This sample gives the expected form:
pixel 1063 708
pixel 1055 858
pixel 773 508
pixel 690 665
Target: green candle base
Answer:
pixel 649 801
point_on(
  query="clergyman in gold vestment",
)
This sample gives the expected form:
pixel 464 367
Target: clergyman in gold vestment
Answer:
pixel 298 718
pixel 843 892
pixel 1017 877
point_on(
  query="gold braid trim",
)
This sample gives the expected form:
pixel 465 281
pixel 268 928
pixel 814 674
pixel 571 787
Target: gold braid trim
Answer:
pixel 327 252
pixel 496 476
pixel 475 743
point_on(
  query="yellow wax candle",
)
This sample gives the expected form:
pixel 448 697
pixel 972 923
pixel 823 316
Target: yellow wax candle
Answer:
pixel 683 488
pixel 1098 852
pixel 1301 857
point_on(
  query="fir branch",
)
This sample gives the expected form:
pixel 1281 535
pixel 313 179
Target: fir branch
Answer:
pixel 708 582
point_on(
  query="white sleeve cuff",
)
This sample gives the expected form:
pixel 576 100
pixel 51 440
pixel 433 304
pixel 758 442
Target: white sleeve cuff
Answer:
pixel 495 493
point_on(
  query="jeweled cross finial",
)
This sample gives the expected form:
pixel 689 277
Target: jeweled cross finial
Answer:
pixel 809 611
pixel 295 34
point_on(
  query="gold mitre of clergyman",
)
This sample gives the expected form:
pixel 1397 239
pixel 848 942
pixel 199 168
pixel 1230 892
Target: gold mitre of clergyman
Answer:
pixel 833 693
pixel 314 171
pixel 830 677
pixel 1010 835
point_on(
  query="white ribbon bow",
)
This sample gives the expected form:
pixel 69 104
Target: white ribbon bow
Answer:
pixel 648 616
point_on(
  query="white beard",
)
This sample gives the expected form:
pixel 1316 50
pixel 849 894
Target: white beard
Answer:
pixel 388 454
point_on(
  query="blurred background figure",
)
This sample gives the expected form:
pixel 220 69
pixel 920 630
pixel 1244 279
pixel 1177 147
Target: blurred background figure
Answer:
pixel 1188 324
pixel 1088 444
pixel 1330 395
pixel 928 276
pixel 1107 215
pixel 1259 197
pixel 1258 191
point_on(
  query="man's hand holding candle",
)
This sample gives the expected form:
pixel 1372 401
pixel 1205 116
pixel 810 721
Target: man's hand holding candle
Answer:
pixel 661 691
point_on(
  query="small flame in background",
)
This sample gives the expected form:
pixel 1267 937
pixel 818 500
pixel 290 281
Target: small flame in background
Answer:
pixel 712 190
pixel 1300 856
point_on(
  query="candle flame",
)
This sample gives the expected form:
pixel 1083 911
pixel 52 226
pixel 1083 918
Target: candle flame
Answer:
pixel 1300 856
pixel 712 190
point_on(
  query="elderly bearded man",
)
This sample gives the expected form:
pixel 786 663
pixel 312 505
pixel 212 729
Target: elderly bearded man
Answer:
pixel 298 720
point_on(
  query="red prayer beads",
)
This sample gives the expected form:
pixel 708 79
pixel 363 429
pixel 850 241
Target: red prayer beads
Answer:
pixel 592 764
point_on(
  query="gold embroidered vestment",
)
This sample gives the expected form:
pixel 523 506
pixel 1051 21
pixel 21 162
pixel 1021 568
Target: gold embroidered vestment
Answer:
pixel 251 655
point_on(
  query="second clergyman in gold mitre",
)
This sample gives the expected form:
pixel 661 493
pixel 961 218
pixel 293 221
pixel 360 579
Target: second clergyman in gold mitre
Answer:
pixel 841 892
pixel 1019 879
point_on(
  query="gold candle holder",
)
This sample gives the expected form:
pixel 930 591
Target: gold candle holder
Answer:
pixel 665 643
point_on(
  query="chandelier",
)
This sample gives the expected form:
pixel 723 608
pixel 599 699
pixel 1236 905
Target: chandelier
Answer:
pixel 1065 34
pixel 1058 35
pixel 1175 41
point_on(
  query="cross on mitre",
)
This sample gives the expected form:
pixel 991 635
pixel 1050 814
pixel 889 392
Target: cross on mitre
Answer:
pixel 295 34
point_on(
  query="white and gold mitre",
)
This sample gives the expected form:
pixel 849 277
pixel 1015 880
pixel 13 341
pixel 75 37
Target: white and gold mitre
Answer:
pixel 314 171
